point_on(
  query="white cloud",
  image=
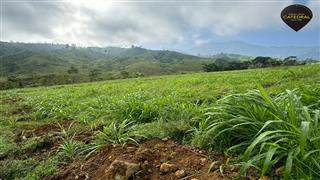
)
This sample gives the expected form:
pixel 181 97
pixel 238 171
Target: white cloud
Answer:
pixel 124 23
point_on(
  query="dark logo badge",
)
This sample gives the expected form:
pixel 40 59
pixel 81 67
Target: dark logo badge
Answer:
pixel 296 16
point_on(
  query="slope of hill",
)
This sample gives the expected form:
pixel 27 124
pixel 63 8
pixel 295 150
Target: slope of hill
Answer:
pixel 27 64
pixel 25 59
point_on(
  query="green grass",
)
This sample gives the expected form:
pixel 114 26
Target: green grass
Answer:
pixel 268 128
pixel 269 131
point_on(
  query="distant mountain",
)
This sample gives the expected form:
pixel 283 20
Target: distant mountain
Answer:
pixel 243 48
pixel 34 59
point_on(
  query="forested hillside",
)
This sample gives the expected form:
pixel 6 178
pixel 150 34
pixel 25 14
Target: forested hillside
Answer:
pixel 38 64
pixel 47 64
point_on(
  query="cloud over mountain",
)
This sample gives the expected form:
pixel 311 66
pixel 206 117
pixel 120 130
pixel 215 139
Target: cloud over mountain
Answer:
pixel 124 23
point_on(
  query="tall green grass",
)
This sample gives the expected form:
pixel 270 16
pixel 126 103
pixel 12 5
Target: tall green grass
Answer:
pixel 268 132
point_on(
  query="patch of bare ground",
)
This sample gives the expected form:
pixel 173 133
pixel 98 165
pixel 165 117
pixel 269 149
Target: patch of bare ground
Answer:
pixel 50 135
pixel 162 159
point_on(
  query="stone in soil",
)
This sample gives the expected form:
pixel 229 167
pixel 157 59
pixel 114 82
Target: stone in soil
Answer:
pixel 121 170
pixel 167 167
pixel 180 174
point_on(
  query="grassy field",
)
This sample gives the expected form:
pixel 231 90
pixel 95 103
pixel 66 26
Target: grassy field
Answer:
pixel 246 114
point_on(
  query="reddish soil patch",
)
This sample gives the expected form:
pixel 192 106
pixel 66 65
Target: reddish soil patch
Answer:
pixel 52 128
pixel 84 136
pixel 149 156
pixel 50 137
pixel 43 130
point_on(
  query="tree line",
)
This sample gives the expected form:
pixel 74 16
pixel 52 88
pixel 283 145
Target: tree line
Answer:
pixel 75 75
pixel 258 62
pixel 71 76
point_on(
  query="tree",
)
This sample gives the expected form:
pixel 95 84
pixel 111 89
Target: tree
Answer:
pixel 124 74
pixel 12 67
pixel 290 61
pixel 261 61
pixel 12 78
pixel 72 70
pixel 210 67
pixel 93 74
pixel 138 74
pixel 275 62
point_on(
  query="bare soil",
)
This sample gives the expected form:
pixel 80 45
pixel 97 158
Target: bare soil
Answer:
pixel 189 163
pixel 150 155
pixel 51 132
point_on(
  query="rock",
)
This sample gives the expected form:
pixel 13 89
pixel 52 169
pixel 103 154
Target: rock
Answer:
pixel 194 179
pixel 144 154
pixel 165 139
pixel 144 165
pixel 121 170
pixel 167 167
pixel 131 149
pixel 180 174
pixel 203 161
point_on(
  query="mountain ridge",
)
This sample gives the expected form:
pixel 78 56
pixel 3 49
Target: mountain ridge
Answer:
pixel 244 48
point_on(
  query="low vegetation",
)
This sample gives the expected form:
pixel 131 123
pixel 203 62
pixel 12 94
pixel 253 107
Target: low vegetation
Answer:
pixel 265 120
pixel 223 64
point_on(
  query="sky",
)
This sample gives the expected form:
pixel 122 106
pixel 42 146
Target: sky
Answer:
pixel 155 24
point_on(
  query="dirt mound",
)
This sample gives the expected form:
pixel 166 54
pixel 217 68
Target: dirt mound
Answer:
pixel 156 159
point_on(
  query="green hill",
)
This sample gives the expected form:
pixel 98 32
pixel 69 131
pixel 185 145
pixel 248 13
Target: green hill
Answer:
pixel 23 59
pixel 60 63
pixel 43 64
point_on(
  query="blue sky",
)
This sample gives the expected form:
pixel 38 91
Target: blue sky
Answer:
pixel 157 25
pixel 283 37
